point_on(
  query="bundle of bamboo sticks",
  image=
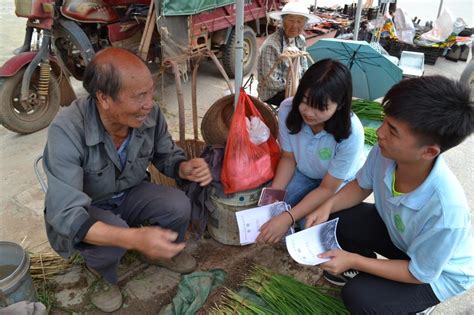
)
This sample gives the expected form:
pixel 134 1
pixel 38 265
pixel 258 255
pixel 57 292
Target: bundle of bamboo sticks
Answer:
pixel 45 265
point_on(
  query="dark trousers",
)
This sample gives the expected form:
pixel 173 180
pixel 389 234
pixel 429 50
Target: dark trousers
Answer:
pixel 361 230
pixel 146 203
pixel 277 99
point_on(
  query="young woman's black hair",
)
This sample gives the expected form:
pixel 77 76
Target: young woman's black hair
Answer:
pixel 326 80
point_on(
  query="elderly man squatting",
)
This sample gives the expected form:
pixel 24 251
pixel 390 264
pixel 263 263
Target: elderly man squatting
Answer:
pixel 99 197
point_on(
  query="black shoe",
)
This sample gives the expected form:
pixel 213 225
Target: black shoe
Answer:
pixel 464 52
pixel 340 279
pixel 454 53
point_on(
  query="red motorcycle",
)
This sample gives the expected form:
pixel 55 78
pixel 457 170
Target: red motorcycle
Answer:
pixel 61 38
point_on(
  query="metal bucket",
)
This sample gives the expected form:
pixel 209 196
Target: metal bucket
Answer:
pixel 222 224
pixel 15 279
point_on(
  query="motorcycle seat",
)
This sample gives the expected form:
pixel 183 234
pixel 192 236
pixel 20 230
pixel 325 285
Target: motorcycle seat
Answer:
pixel 89 11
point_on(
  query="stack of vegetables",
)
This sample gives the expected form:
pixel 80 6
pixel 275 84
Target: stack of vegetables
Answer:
pixel 234 304
pixel 368 110
pixel 282 294
pixel 370 135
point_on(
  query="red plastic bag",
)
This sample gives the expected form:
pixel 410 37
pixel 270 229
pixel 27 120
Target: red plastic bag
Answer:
pixel 247 165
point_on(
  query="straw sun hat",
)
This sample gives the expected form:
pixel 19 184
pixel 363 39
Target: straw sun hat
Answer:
pixel 295 8
pixel 216 122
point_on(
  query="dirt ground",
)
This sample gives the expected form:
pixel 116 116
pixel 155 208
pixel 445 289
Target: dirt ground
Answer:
pixel 148 288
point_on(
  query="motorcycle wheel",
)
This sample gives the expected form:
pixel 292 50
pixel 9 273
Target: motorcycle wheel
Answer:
pixel 14 117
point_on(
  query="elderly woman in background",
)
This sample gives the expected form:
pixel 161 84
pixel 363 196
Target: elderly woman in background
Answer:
pixel 294 17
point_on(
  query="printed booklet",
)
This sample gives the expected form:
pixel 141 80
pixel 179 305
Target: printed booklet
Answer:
pixel 304 246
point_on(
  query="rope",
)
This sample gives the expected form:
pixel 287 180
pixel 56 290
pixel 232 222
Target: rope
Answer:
pixel 293 58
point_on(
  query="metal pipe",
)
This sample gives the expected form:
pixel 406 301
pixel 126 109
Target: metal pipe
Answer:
pixel 357 19
pixel 239 47
pixel 440 8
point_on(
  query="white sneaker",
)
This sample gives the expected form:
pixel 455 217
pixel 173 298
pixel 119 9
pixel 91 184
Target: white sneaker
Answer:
pixel 429 310
pixel 340 279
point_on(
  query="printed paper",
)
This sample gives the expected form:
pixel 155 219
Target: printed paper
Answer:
pixel 250 220
pixel 305 246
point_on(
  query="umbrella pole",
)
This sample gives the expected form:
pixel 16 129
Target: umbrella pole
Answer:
pixel 440 7
pixel 357 19
pixel 239 47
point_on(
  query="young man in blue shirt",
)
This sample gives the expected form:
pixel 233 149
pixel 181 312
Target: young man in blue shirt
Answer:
pixel 420 221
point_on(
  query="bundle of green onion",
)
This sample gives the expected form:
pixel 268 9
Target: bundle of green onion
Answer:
pixel 234 304
pixel 286 295
pixel 366 109
pixel 370 135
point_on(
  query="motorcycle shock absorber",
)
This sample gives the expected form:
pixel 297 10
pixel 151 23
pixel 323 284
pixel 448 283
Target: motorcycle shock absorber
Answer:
pixel 43 82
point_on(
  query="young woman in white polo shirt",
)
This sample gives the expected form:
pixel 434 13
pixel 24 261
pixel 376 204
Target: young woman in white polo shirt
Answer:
pixel 322 144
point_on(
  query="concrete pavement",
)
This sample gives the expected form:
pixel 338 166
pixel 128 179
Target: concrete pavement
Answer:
pixel 21 204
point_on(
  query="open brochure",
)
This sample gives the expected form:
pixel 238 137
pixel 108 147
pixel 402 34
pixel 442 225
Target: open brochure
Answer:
pixel 250 220
pixel 305 246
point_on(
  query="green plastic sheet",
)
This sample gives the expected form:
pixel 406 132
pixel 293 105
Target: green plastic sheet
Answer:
pixel 189 7
pixel 193 291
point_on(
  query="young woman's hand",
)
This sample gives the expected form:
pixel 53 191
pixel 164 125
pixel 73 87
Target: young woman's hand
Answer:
pixel 318 216
pixel 274 229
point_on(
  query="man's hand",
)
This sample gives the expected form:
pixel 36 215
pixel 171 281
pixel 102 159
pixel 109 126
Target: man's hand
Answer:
pixel 274 229
pixel 157 243
pixel 318 216
pixel 341 261
pixel 196 170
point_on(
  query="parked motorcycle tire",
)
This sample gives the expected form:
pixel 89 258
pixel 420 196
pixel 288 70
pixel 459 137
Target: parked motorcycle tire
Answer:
pixel 14 117
pixel 250 52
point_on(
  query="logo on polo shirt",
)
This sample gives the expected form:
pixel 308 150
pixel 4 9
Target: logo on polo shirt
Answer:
pixel 325 153
pixel 399 223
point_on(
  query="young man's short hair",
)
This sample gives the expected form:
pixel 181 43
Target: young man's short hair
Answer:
pixel 439 110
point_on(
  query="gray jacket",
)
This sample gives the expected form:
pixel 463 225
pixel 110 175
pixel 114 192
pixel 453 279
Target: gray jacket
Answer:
pixel 83 168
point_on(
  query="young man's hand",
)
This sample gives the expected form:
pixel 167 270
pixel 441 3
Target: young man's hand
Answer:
pixel 341 261
pixel 274 229
pixel 196 170
pixel 318 216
